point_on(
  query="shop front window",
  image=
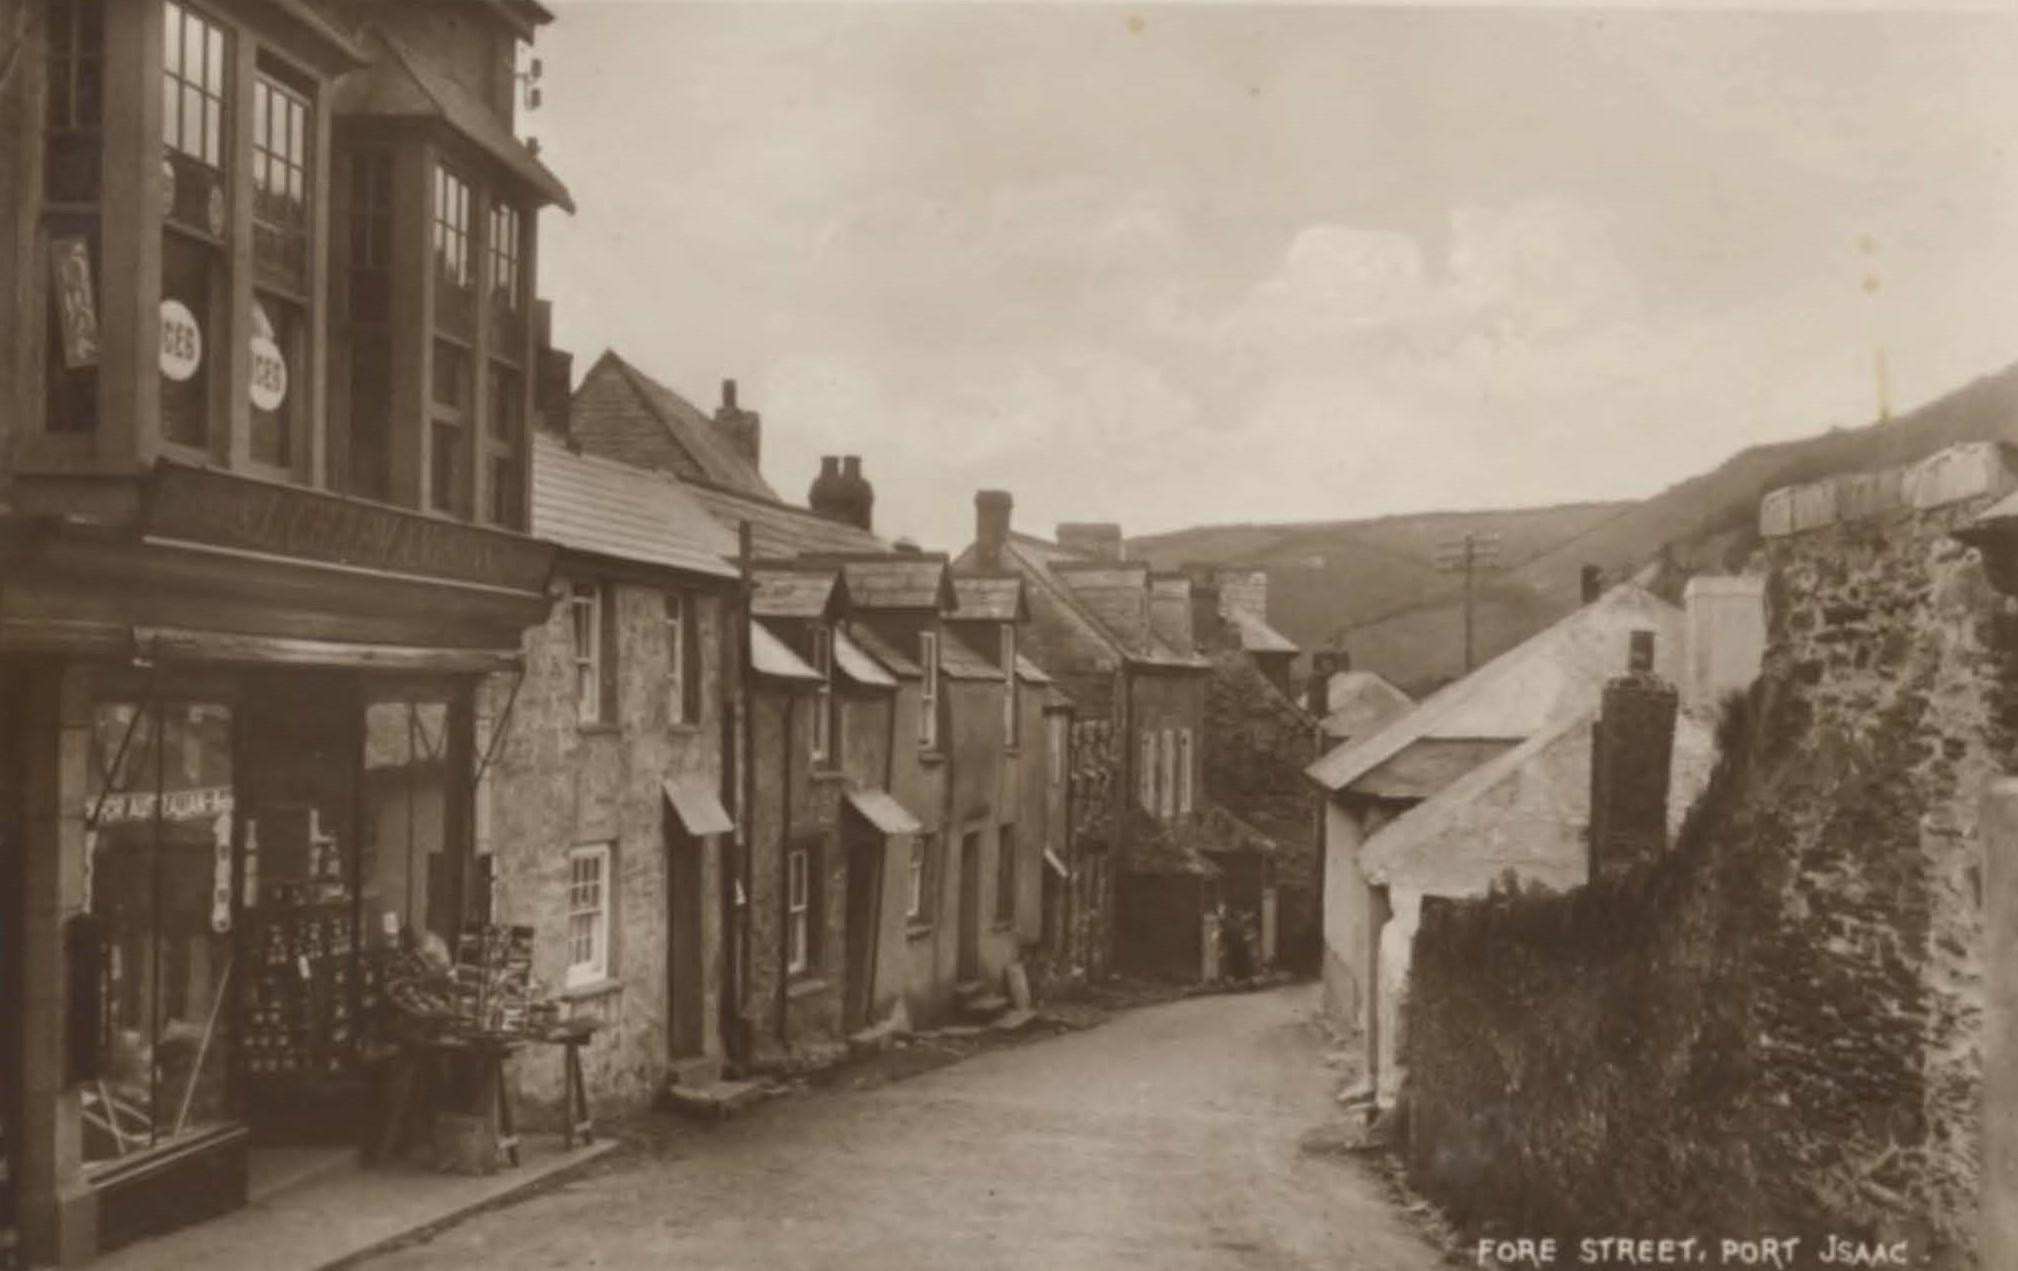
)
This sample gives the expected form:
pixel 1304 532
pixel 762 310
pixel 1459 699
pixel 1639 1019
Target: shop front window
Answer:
pixel 159 890
pixel 410 878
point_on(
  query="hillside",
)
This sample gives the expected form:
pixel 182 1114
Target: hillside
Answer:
pixel 1373 580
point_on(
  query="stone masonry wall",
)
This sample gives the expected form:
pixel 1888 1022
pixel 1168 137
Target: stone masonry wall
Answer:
pixel 555 785
pixel 1777 1027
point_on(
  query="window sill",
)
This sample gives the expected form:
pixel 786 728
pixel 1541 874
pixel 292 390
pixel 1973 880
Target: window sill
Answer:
pixel 823 771
pixel 684 728
pixel 598 730
pixel 591 990
pixel 931 758
pixel 917 930
pixel 807 985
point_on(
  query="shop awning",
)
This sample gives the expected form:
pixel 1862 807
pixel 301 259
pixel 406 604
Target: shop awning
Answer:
pixel 699 807
pixel 772 657
pixel 1051 859
pixel 175 644
pixel 884 812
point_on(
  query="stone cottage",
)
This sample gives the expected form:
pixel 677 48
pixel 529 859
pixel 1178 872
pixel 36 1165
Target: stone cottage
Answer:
pixel 1491 776
pixel 602 811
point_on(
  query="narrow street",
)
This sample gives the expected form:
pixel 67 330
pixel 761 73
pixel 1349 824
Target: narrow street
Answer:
pixel 1166 1139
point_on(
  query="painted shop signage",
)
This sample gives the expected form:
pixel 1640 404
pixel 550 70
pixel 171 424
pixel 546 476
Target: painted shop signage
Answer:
pixel 181 341
pixel 122 808
pixel 196 505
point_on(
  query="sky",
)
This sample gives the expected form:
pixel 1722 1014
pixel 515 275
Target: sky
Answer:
pixel 1221 263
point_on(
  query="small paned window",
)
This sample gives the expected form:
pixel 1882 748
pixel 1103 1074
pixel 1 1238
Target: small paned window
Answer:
pixel 504 255
pixel 588 914
pixel 451 227
pixel 928 693
pixel 823 700
pixel 280 172
pixel 586 609
pixel 194 73
pixel 802 925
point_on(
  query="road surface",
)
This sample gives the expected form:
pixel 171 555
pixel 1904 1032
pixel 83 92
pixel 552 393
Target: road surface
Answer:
pixel 1164 1140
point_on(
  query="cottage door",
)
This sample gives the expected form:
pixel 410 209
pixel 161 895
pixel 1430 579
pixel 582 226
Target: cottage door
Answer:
pixel 865 890
pixel 685 992
pixel 970 906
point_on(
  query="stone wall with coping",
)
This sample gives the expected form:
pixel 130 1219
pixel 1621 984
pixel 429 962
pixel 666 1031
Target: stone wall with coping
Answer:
pixel 1780 1025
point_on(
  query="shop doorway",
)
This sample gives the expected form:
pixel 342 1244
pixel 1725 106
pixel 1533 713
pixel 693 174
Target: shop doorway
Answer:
pixel 864 917
pixel 685 975
pixel 970 905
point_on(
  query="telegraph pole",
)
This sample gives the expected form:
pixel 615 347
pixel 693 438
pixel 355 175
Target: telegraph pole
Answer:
pixel 1468 555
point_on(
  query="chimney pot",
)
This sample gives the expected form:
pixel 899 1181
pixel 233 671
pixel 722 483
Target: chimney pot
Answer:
pixel 728 395
pixel 851 467
pixel 830 466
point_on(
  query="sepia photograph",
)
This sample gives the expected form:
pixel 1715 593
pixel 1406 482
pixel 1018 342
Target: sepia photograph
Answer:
pixel 1008 635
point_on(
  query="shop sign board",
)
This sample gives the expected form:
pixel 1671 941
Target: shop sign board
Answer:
pixel 76 301
pixel 198 505
pixel 124 808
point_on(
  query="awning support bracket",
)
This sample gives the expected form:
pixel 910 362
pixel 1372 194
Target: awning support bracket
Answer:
pixel 501 728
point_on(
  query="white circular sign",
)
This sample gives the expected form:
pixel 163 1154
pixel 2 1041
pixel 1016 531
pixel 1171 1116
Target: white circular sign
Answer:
pixel 269 374
pixel 181 341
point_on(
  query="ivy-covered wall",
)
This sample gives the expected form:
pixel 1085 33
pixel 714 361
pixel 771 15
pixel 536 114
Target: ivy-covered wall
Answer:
pixel 1257 744
pixel 1776 1027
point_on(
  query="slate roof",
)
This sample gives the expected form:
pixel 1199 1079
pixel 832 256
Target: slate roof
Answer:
pixel 1444 830
pixel 605 508
pixel 778 529
pixel 793 592
pixel 652 422
pixel 1257 636
pixel 1034 558
pixel 895 662
pixel 959 661
pixel 404 83
pixel 1362 703
pixel 899 581
pixel 1556 671
pixel 989 598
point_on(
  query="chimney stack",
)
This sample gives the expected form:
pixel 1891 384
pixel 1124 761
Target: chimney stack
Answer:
pixel 840 493
pixel 743 428
pixel 1632 753
pixel 1726 640
pixel 1593 583
pixel 1095 541
pixel 992 511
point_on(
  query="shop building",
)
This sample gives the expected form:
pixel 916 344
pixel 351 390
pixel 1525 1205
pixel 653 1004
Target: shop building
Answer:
pixel 261 541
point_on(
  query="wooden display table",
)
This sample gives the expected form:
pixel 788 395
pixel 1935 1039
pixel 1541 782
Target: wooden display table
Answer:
pixel 575 1118
pixel 476 1064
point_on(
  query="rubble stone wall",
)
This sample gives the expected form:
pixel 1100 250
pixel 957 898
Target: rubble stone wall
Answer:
pixel 1778 1026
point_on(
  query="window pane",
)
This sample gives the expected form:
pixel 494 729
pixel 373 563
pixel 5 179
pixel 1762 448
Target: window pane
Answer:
pixel 159 855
